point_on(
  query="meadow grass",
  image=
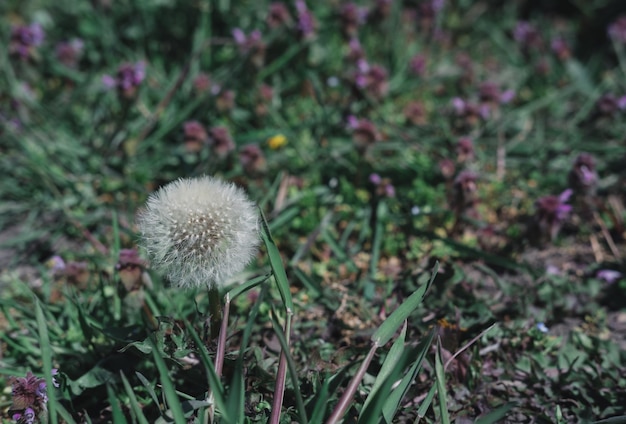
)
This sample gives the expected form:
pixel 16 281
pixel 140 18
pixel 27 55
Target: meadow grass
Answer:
pixel 441 197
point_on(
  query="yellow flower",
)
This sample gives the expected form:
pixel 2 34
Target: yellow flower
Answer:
pixel 277 141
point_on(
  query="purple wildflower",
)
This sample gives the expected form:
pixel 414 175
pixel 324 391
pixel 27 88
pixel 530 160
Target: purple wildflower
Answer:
pixel 130 268
pixel 418 65
pixel 24 40
pixel 69 52
pixel 252 160
pixel 560 48
pixel 127 80
pixel 372 79
pixel 582 177
pixel 29 397
pixel 364 133
pixel 609 275
pixel 526 35
pixel 221 141
pixel 415 112
pixel 551 212
pixel 25 417
pixel 383 186
pixel 375 179
pixel 464 149
pixel 465 191
pixel 278 15
pixel 352 16
pixel 195 136
pixel 617 30
pixel 542 327
pixel 306 21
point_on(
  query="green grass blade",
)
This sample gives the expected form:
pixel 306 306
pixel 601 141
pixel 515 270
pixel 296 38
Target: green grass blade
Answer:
pixel 214 382
pixel 64 413
pixel 116 410
pixel 390 363
pixel 276 263
pixel 173 401
pixel 421 412
pixel 393 401
pixel 134 405
pixel 440 377
pixel 248 285
pixel 389 327
pixel 148 387
pixel 46 356
pixel 497 414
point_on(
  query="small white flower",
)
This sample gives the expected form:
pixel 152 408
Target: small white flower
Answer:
pixel 199 232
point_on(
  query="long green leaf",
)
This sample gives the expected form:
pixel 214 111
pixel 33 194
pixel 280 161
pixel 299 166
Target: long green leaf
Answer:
pixel 214 382
pixel 497 414
pixel 168 388
pixel 134 405
pixel 46 356
pixel 393 400
pixel 389 327
pixel 440 377
pixel 390 363
pixel 276 263
pixel 116 410
pixel 248 285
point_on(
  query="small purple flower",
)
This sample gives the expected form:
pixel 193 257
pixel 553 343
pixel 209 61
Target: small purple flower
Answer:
pixel 56 265
pixel 375 179
pixel 417 65
pixel 24 40
pixel 617 30
pixel 352 16
pixel 609 275
pixel 221 141
pixel 464 149
pixel 278 15
pixel 582 177
pixel 560 47
pixel 526 35
pixel 25 417
pixel 364 133
pixel 127 80
pixel 551 212
pixel 383 185
pixel 355 50
pixel 195 136
pixel 69 52
pixel 542 327
pixel 459 105
pixel 253 160
pixel 507 96
pixel 306 21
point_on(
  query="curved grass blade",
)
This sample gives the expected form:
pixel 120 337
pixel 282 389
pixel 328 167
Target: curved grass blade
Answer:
pixel 497 414
pixel 389 327
pixel 116 411
pixel 389 365
pixel 134 405
pixel 46 356
pixel 214 382
pixel 276 263
pixel 440 377
pixel 173 402
pixel 393 401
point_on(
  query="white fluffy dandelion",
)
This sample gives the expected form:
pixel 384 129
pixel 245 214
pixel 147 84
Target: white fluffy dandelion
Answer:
pixel 199 232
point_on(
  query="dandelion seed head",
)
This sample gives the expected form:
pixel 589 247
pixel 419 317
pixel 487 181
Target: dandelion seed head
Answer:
pixel 199 232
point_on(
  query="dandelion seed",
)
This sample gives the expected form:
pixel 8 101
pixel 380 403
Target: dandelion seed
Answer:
pixel 199 232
